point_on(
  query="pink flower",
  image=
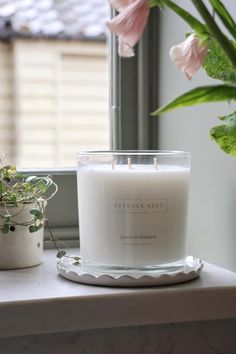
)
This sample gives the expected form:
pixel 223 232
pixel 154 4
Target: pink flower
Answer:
pixel 129 24
pixel 189 55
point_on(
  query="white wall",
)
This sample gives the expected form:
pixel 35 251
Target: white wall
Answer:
pixel 212 212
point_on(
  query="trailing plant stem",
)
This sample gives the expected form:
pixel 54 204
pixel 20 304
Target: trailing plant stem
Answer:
pixel 54 240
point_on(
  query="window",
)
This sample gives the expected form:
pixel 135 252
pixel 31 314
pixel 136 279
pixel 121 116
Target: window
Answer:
pixel 133 92
pixel 132 97
pixel 62 101
pixel 54 70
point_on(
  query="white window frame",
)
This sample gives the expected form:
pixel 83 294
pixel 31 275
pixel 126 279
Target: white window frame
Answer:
pixel 133 95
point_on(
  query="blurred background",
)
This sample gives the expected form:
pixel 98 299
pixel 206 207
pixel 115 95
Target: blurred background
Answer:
pixel 54 80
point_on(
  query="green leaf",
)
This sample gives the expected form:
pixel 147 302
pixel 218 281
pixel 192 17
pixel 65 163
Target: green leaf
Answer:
pixel 159 3
pixel 41 186
pixel 225 16
pixel 34 211
pixel 32 228
pixel 200 95
pixel 76 258
pixel 30 179
pixel 225 137
pixel 35 228
pixel 16 188
pixel 37 213
pixel 5 229
pixel 61 254
pixel 230 118
pixel 217 64
pixel 7 218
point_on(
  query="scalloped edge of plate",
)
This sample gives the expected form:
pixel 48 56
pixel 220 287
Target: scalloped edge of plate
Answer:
pixel 75 273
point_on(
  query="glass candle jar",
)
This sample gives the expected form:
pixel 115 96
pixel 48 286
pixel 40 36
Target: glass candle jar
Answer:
pixel 133 210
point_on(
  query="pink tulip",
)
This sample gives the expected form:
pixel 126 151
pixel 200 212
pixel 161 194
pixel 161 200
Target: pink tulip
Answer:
pixel 189 55
pixel 129 24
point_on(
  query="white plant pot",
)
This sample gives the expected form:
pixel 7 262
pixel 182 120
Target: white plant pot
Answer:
pixel 21 248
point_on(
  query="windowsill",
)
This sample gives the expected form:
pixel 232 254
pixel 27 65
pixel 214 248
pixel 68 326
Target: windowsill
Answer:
pixel 39 300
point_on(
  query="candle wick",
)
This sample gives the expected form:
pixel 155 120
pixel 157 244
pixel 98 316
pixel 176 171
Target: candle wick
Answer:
pixel 155 163
pixel 129 163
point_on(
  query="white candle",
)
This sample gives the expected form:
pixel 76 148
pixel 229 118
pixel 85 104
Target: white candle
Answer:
pixel 132 215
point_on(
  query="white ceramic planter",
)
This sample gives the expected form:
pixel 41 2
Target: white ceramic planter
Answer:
pixel 21 248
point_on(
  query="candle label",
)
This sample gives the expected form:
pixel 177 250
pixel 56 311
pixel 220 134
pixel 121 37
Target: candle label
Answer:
pixel 139 239
pixel 138 206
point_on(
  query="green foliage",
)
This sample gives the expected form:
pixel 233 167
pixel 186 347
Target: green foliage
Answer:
pixel 34 228
pixel 159 3
pixel 225 137
pixel 61 254
pixel 37 213
pixel 217 64
pixel 199 95
pixel 5 229
pixel 17 189
pixel 230 118
pixel 225 16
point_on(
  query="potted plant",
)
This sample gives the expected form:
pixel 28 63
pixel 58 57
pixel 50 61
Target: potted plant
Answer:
pixel 210 44
pixel 23 200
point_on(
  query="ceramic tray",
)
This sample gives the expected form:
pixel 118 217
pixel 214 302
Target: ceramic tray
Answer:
pixel 76 273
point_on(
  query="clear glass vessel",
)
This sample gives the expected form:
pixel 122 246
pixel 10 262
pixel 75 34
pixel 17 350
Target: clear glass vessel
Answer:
pixel 133 210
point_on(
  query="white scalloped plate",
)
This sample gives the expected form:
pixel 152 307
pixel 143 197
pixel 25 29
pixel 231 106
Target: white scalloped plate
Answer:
pixel 70 271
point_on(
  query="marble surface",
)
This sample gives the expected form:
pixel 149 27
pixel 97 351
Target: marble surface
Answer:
pixel 211 337
pixel 38 300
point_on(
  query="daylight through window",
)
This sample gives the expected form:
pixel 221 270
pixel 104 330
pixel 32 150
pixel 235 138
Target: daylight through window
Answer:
pixel 54 80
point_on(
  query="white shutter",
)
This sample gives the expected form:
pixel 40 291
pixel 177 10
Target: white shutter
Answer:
pixel 61 96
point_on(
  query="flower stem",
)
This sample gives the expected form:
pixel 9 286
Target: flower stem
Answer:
pixel 225 16
pixel 216 32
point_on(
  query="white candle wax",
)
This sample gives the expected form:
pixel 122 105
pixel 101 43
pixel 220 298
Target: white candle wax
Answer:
pixel 132 217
